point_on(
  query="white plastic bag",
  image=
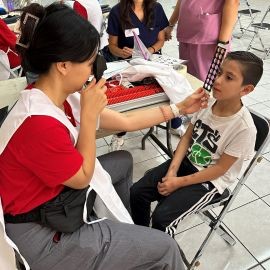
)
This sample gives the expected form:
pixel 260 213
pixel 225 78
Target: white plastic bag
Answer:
pixel 175 85
pixel 139 50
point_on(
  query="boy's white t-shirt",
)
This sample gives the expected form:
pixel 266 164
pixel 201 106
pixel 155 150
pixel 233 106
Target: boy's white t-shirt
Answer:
pixel 214 135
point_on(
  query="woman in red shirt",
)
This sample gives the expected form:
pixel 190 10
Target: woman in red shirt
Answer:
pixel 8 43
pixel 47 146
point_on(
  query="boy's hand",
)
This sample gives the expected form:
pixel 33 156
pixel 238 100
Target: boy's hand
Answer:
pixel 168 185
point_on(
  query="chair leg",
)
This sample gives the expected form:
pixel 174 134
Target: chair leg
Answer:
pixel 208 218
pixel 195 261
pixel 168 148
pixel 150 131
pixel 250 43
pixel 265 50
pixel 225 235
pixel 184 258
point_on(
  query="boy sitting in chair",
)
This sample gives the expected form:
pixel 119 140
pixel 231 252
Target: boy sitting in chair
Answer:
pixel 209 156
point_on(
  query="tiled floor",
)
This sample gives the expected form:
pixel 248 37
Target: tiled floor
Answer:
pixel 249 218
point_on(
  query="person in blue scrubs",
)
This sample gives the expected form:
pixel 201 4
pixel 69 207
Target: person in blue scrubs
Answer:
pixel 146 18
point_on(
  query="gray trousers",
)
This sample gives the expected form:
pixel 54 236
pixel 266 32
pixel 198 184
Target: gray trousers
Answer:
pixel 107 245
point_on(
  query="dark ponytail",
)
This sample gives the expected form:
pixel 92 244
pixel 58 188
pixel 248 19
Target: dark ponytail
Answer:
pixel 126 7
pixel 60 35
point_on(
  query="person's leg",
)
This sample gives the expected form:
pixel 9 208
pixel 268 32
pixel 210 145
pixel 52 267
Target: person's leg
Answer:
pixel 172 209
pixel 103 245
pixel 176 122
pixel 137 247
pixel 183 202
pixel 117 141
pixel 143 192
pixel 119 165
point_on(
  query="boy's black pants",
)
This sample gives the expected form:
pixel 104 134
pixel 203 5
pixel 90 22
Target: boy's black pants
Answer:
pixel 170 209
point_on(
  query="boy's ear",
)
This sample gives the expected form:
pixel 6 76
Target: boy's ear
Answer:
pixel 247 89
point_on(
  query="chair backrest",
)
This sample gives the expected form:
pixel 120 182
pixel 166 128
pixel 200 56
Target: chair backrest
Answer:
pixel 262 126
pixel 4 66
pixel 10 91
pixel 5 71
pixel 265 14
pixel 249 8
pixel 262 140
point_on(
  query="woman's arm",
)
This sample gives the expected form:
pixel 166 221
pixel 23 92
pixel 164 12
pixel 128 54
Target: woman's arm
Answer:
pixel 93 100
pixel 172 21
pixel 115 50
pixel 141 119
pixel 159 43
pixel 229 17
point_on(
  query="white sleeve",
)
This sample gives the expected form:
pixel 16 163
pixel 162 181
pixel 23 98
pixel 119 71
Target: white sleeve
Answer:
pixel 242 144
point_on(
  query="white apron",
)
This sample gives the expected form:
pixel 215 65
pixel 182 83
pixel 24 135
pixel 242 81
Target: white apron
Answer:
pixel 35 102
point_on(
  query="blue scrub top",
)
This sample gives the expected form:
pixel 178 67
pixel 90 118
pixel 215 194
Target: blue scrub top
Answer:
pixel 148 36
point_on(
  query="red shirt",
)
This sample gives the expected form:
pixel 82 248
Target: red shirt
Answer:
pixel 8 40
pixel 39 157
pixel 81 10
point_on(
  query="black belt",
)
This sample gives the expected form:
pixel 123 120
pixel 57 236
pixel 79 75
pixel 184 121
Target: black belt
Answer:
pixel 31 216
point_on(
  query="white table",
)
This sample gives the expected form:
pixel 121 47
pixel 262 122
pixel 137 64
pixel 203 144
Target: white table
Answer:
pixel 10 90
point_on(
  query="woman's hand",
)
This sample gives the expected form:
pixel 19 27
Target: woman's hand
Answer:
pixel 196 101
pixel 126 52
pixel 93 97
pixel 168 33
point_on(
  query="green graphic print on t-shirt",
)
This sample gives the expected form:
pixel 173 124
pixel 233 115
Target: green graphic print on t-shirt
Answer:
pixel 203 144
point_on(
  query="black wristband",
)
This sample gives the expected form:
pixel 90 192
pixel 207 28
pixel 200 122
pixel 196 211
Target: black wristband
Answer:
pixel 223 42
pixel 153 48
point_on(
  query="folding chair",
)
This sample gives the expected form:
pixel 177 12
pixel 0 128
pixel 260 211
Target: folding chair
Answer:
pixel 247 12
pixel 227 198
pixel 257 27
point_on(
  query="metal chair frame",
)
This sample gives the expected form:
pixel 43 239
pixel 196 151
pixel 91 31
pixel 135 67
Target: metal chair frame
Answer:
pixel 226 199
pixel 251 13
pixel 257 28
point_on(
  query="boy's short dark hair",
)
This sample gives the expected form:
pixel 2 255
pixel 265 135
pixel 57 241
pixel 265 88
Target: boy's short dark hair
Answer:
pixel 252 66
